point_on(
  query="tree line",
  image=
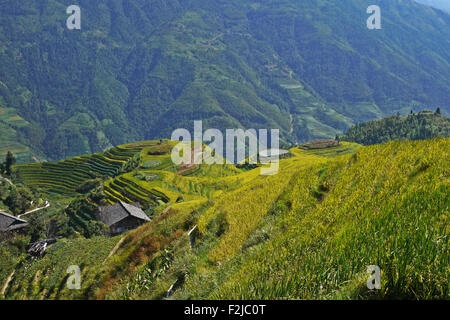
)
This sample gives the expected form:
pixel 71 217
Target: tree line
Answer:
pixel 414 126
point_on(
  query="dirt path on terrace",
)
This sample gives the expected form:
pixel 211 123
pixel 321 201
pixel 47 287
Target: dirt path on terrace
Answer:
pixel 114 250
pixel 7 180
pixel 47 204
pixel 5 286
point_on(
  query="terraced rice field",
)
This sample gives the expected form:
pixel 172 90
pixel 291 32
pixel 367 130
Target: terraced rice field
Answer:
pixel 156 180
pixel 66 176
pixel 343 148
pixel 124 188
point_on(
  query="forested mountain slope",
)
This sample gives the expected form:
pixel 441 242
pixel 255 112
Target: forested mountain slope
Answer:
pixel 440 4
pixel 414 126
pixel 137 69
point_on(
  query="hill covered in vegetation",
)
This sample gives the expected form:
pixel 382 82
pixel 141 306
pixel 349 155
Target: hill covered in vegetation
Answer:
pixel 414 126
pixel 439 4
pixel 137 69
pixel 219 232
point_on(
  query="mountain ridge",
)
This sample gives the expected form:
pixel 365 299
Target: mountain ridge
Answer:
pixel 439 4
pixel 137 70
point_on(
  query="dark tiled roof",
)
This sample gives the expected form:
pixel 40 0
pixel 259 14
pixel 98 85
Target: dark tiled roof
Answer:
pixel 119 211
pixel 135 211
pixel 9 222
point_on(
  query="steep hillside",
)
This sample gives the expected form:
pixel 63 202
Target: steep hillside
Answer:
pixel 137 69
pixel 440 4
pixel 308 232
pixel 423 125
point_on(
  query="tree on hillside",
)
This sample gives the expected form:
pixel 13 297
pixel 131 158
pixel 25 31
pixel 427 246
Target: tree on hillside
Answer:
pixel 10 161
pixel 36 228
pixel 438 110
pixel 19 199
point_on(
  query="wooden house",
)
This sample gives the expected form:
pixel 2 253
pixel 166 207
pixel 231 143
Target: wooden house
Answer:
pixel 11 223
pixel 121 217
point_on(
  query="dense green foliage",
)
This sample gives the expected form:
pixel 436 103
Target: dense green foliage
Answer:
pixel 15 199
pixel 18 199
pixel 423 125
pixel 6 167
pixel 137 69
